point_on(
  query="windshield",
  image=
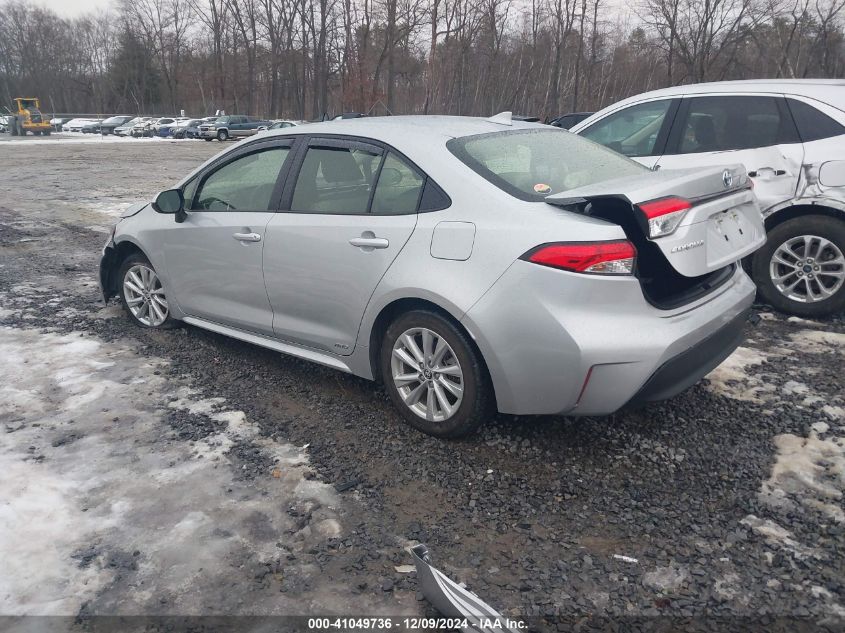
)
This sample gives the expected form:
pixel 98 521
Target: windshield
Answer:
pixel 223 120
pixel 531 164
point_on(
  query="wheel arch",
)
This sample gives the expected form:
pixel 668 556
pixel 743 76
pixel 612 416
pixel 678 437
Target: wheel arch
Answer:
pixel 113 258
pixel 391 311
pixel 794 209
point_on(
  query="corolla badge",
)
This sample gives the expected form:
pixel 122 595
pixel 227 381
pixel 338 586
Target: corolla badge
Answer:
pixel 727 178
pixel 685 247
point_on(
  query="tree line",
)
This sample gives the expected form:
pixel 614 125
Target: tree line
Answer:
pixel 306 59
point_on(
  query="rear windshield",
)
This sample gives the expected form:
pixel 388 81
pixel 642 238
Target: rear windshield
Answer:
pixel 534 163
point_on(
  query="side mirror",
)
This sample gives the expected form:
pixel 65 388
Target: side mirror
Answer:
pixel 832 173
pixel 171 202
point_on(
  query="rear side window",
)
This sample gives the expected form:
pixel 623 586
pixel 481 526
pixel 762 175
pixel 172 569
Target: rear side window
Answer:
pixel 717 124
pixel 398 189
pixel 632 131
pixel 813 124
pixel 532 164
pixel 336 180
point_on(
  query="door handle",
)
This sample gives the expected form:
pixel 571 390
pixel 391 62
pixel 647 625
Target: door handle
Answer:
pixel 247 237
pixel 774 172
pixel 369 242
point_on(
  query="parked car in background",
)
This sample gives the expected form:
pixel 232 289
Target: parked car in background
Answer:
pixel 126 128
pixel 108 126
pixel 147 128
pixel 790 135
pixel 566 121
pixel 91 128
pixel 4 125
pixel 280 124
pixel 76 125
pixel 164 126
pixel 231 126
pixel 58 122
pixel 468 263
pixel 189 128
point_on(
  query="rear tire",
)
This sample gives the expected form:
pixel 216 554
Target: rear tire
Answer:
pixel 805 278
pixel 142 294
pixel 449 403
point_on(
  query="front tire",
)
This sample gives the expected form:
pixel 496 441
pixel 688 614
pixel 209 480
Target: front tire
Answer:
pixel 435 376
pixel 222 135
pixel 142 294
pixel 801 268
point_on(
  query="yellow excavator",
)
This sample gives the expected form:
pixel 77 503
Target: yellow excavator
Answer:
pixel 28 118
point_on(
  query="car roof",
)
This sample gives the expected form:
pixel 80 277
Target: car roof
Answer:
pixel 400 130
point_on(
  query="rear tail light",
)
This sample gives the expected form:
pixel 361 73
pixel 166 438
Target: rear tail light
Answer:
pixel 664 214
pixel 597 258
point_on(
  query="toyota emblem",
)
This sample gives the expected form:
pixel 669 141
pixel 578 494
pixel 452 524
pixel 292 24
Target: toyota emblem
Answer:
pixel 727 178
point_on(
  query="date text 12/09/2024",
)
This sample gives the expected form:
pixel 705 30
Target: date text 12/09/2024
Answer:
pixel 411 624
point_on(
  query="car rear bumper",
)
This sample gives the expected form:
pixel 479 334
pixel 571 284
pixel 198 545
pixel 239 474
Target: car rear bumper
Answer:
pixel 687 368
pixel 563 343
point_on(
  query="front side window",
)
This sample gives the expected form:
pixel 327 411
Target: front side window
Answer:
pixel 336 180
pixel 245 184
pixel 718 124
pixel 398 189
pixel 532 164
pixel 632 131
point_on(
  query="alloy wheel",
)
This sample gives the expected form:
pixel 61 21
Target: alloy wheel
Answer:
pixel 427 374
pixel 807 268
pixel 145 296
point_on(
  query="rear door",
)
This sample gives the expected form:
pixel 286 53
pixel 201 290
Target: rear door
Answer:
pixel 638 131
pixel 756 131
pixel 214 258
pixel 348 210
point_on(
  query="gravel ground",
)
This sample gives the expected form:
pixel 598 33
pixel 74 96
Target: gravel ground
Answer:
pixel 722 505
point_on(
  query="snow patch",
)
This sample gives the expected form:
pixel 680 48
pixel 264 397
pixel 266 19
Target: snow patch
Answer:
pixel 88 467
pixel 817 341
pixel 808 471
pixel 777 536
pixel 732 379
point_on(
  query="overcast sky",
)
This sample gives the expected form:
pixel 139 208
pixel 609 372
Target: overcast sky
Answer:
pixel 73 8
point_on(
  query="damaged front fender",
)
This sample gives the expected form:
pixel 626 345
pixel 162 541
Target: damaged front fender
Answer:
pixel 454 601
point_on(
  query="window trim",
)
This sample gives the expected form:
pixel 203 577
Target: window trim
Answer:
pixel 346 141
pixel 226 159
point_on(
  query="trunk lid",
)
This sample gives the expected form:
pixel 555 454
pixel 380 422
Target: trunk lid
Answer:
pixel 723 225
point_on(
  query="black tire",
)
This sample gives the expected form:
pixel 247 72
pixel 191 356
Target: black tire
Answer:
pixel 477 404
pixel 826 227
pixel 46 132
pixel 222 135
pixel 137 259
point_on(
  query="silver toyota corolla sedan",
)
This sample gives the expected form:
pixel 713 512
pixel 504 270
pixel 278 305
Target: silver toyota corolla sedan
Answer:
pixel 469 264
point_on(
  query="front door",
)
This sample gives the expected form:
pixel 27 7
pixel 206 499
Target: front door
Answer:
pixel 346 217
pixel 214 258
pixel 756 131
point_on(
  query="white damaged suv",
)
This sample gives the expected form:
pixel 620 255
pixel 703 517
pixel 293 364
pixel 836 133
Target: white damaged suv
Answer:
pixel 790 136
